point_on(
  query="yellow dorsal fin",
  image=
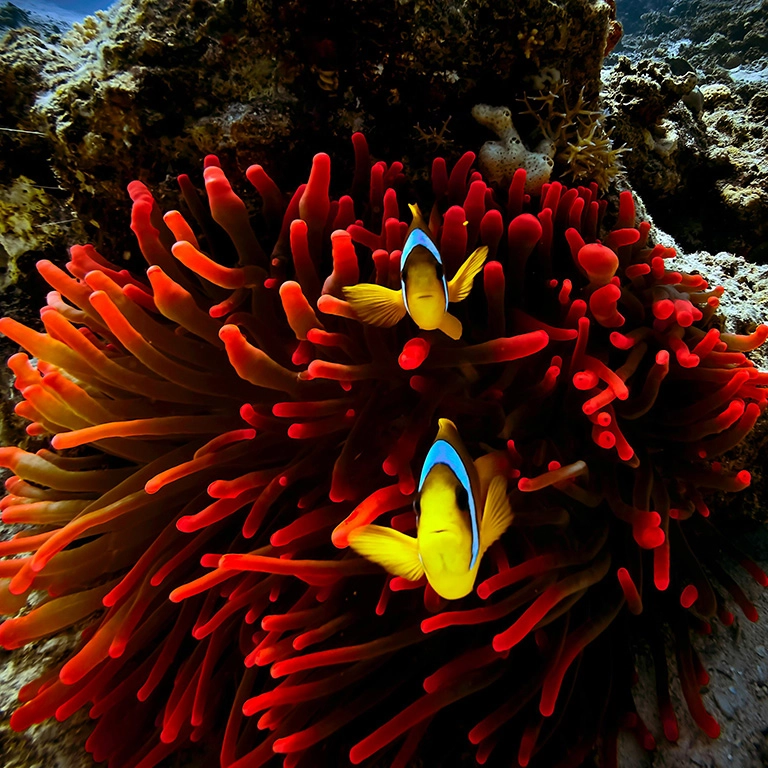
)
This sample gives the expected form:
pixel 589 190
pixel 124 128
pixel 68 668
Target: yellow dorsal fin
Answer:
pixel 418 218
pixel 450 326
pixel 489 466
pixel 461 284
pixel 497 515
pixel 447 431
pixel 376 304
pixel 397 553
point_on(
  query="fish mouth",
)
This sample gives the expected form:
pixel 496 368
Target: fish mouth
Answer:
pixel 440 530
pixel 425 296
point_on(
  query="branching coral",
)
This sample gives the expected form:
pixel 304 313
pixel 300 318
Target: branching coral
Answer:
pixel 436 139
pixel 242 422
pixel 591 155
pixel 583 144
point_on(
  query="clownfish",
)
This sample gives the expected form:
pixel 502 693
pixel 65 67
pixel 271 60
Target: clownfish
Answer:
pixel 424 291
pixel 452 533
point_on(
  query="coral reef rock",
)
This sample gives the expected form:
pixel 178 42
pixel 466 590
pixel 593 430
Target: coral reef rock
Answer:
pixel 141 93
pixel 698 127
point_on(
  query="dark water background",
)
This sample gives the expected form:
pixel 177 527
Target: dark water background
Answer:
pixel 77 6
pixel 629 12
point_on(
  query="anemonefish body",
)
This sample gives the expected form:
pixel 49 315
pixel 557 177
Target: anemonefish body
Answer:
pixel 424 291
pixel 462 508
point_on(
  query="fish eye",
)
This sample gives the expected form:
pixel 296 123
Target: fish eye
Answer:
pixel 462 498
pixel 439 270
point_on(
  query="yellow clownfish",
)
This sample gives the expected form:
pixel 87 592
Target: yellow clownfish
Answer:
pixel 451 534
pixel 424 293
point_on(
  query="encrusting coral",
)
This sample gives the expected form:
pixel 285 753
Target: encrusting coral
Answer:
pixel 241 423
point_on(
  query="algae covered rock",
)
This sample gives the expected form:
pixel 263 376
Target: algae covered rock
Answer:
pixel 144 92
pixel 648 117
pixel 703 97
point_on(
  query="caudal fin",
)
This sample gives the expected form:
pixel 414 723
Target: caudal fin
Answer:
pixel 450 326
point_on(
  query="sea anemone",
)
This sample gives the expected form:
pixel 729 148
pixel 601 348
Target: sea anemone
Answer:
pixel 220 426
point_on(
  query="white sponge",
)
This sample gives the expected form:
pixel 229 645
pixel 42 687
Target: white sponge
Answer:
pixel 500 159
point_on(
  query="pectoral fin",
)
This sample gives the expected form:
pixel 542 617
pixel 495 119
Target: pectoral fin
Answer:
pixel 461 284
pixel 450 326
pixel 397 553
pixel 376 304
pixel 497 515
